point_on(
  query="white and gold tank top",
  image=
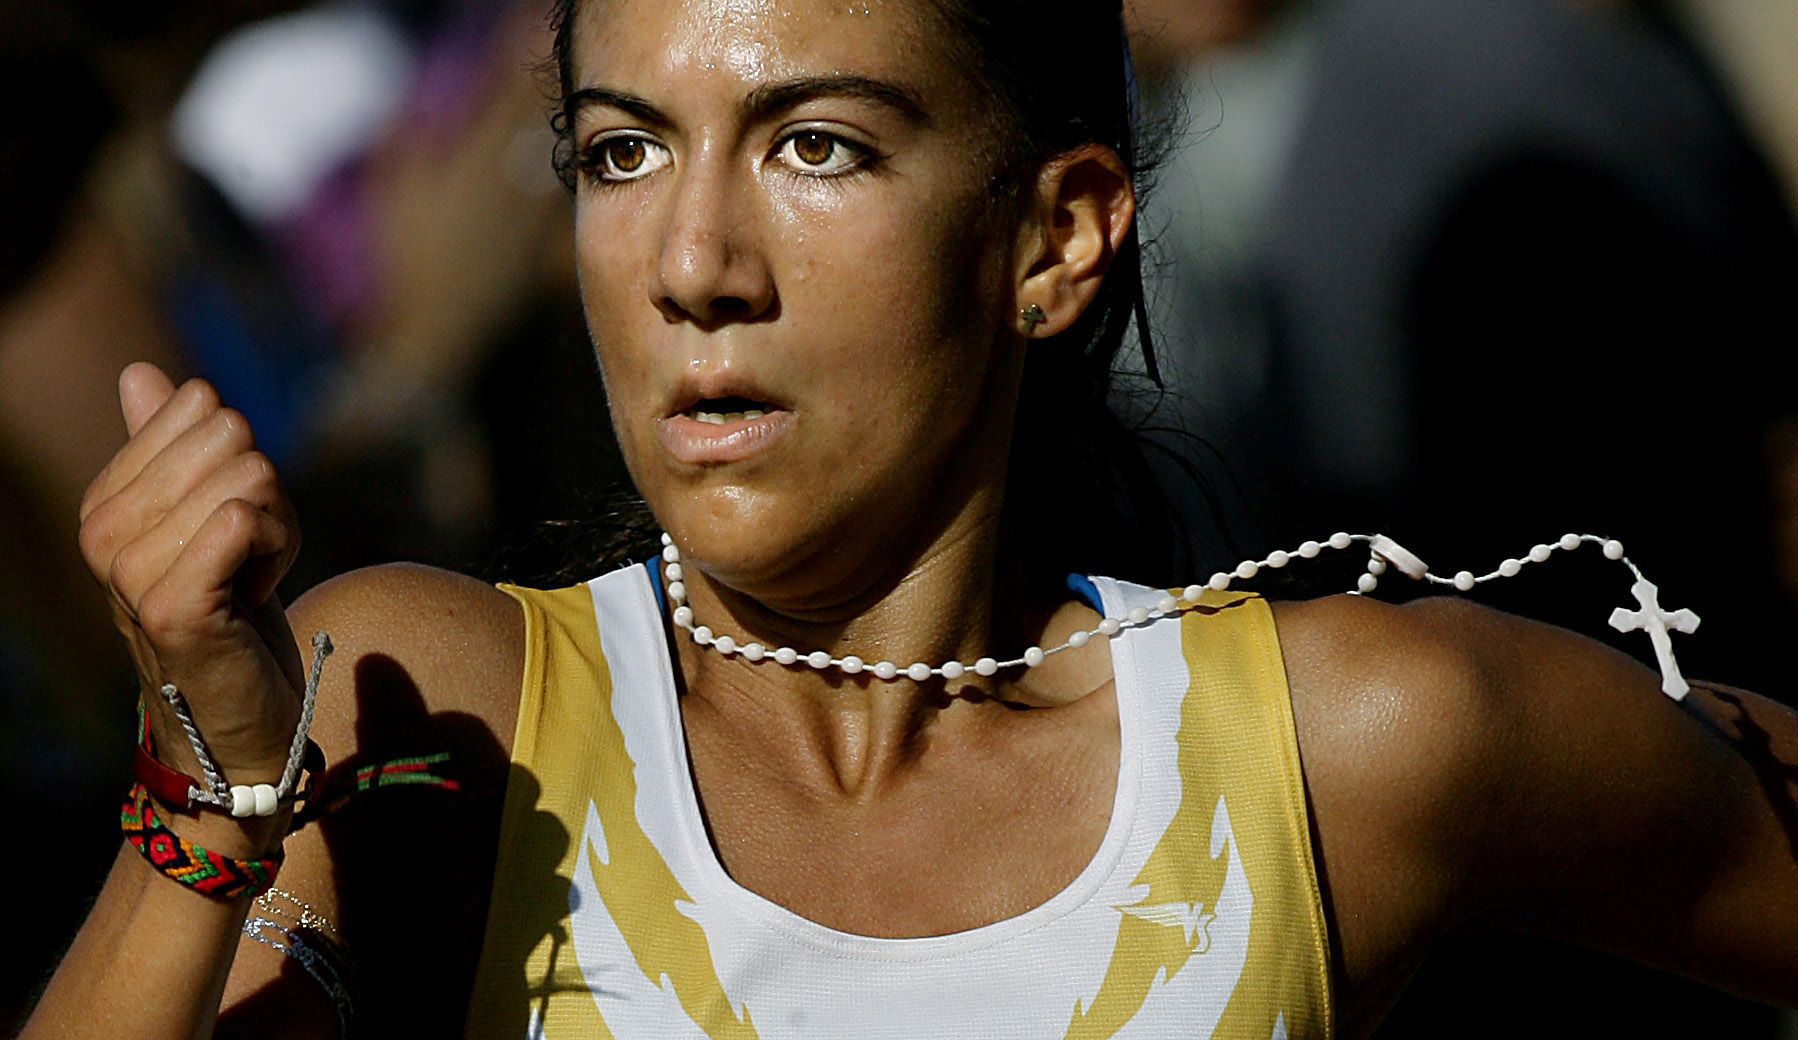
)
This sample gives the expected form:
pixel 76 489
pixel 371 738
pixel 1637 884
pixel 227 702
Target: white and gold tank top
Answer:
pixel 611 916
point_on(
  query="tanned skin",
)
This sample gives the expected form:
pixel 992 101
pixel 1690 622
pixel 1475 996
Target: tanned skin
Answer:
pixel 790 203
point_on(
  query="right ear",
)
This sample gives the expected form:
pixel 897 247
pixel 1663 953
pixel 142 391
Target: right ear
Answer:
pixel 1082 210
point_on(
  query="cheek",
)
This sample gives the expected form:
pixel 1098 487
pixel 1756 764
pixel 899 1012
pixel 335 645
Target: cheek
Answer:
pixel 911 357
pixel 909 276
pixel 936 298
pixel 614 270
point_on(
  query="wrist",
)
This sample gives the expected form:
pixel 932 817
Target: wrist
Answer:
pixel 181 793
pixel 240 800
pixel 249 837
pixel 236 851
pixel 209 870
pixel 233 755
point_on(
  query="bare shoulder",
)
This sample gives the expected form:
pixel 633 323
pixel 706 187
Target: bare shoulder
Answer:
pixel 451 643
pixel 1430 692
pixel 427 670
pixel 1465 764
pixel 1392 702
pixel 1394 712
pixel 1418 710
pixel 1356 661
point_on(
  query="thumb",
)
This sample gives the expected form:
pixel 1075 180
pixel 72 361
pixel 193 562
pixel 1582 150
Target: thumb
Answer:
pixel 142 390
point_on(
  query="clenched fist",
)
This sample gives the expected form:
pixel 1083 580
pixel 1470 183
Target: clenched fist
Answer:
pixel 188 530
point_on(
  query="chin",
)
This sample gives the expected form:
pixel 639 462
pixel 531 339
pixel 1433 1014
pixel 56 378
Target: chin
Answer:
pixel 741 538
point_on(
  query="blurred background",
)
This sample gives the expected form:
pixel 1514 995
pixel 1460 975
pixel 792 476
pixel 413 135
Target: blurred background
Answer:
pixel 1471 272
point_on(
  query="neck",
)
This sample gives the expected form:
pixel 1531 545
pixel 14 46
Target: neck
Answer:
pixel 951 600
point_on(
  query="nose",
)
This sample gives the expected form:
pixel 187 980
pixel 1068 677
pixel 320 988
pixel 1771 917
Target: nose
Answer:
pixel 712 270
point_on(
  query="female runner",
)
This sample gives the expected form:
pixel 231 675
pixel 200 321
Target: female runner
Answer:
pixel 850 270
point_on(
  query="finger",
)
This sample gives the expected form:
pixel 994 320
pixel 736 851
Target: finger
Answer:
pixel 193 600
pixel 252 478
pixel 257 580
pixel 216 443
pixel 119 511
pixel 142 390
pixel 144 561
pixel 192 402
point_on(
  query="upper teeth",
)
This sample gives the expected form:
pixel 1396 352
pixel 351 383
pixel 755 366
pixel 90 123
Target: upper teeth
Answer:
pixel 720 418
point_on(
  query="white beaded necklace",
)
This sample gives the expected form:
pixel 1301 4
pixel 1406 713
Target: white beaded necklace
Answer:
pixel 1384 553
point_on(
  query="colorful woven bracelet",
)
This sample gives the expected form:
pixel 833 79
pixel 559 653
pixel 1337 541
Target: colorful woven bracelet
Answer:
pixel 414 770
pixel 202 870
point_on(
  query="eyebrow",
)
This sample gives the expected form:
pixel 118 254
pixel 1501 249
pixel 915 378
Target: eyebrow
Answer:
pixel 773 98
pixel 769 99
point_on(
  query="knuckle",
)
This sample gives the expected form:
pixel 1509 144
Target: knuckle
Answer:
pixel 92 497
pixel 159 614
pixel 258 470
pixel 199 395
pixel 100 562
pixel 123 572
pixel 236 516
pixel 105 533
pixel 94 537
pixel 234 429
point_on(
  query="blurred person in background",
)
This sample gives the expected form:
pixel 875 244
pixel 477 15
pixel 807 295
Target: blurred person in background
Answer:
pixel 416 348
pixel 89 82
pixel 283 201
pixel 1462 269
pixel 862 409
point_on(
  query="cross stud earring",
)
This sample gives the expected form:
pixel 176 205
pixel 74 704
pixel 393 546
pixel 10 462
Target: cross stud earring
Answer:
pixel 1032 316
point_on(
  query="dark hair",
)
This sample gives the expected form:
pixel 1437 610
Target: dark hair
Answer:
pixel 1081 494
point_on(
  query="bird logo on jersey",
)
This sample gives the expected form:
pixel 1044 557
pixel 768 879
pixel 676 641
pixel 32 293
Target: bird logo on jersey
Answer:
pixel 1190 917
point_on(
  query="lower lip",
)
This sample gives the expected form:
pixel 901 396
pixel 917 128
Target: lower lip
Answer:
pixel 695 443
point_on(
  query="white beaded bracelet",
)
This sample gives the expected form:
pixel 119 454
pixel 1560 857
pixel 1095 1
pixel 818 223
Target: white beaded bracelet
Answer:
pixel 245 800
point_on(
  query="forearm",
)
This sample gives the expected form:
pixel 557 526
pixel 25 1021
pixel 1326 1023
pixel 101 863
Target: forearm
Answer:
pixel 152 958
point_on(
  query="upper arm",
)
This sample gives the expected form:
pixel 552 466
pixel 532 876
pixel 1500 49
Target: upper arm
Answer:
pixel 425 662
pixel 1664 831
pixel 1463 764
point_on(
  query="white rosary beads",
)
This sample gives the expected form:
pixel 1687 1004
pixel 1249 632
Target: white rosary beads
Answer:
pixel 1384 553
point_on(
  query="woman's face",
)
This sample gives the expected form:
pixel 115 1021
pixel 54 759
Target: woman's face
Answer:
pixel 797 278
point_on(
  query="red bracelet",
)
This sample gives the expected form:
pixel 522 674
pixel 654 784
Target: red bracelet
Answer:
pixel 206 872
pixel 177 790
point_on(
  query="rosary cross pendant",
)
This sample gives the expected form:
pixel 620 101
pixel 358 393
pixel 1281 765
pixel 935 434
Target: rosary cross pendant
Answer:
pixel 1658 622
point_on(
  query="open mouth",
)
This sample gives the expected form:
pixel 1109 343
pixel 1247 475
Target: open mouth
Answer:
pixel 720 411
pixel 723 428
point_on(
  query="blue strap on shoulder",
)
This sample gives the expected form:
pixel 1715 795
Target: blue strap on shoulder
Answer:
pixel 1082 586
pixel 655 582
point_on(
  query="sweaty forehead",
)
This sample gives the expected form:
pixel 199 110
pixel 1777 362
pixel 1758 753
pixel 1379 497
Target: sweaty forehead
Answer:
pixel 640 44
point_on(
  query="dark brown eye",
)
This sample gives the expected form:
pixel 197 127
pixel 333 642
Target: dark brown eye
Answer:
pixel 626 154
pixel 624 157
pixel 820 153
pixel 813 149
